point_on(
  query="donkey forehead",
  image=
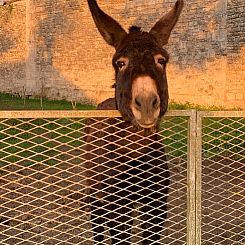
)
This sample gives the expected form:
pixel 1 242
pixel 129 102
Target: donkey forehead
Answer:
pixel 139 43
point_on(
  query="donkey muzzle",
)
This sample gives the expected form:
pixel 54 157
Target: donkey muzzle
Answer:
pixel 145 104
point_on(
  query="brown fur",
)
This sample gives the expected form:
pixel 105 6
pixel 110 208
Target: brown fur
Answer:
pixel 125 163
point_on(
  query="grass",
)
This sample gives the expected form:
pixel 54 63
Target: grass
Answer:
pixel 188 106
pixel 175 132
pixel 224 136
pixel 29 141
pixel 9 102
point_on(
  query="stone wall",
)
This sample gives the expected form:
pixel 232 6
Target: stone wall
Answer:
pixel 12 48
pixel 67 58
pixel 197 71
pixel 235 87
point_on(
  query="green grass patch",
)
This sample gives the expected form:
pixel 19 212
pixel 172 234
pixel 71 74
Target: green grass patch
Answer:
pixel 10 102
pixel 189 106
pixel 224 136
pixel 51 141
pixel 32 141
pixel 174 131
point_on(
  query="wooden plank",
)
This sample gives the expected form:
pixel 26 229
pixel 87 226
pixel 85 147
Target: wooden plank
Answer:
pixel 198 178
pixel 75 114
pixel 191 181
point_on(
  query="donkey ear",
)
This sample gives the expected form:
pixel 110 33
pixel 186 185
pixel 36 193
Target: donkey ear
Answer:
pixel 110 29
pixel 162 29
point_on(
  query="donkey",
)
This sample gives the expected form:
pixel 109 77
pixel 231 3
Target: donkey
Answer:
pixel 126 166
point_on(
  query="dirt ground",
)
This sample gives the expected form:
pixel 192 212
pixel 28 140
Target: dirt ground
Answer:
pixel 223 201
pixel 43 205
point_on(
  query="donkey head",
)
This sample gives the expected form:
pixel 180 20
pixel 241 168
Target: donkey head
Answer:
pixel 140 65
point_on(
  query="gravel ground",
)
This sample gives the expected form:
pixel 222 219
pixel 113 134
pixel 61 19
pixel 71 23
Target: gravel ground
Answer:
pixel 223 201
pixel 43 204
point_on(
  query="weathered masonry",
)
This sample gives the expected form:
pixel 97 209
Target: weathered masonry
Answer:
pixel 52 48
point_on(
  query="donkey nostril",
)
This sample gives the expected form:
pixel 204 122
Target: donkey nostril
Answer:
pixel 155 103
pixel 137 102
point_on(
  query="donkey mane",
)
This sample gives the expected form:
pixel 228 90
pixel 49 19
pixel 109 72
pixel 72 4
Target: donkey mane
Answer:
pixel 134 29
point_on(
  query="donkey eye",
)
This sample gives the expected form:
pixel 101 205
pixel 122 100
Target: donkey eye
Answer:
pixel 162 61
pixel 120 64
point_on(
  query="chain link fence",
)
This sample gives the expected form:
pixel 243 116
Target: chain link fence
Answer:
pixel 44 198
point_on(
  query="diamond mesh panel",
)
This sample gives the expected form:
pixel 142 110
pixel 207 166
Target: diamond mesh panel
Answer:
pixel 51 170
pixel 223 181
